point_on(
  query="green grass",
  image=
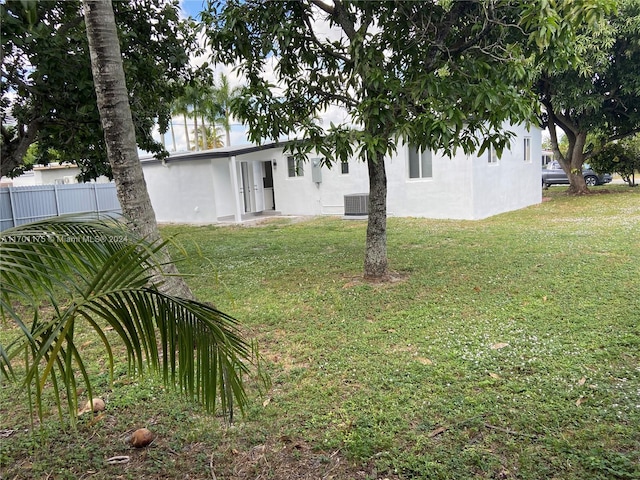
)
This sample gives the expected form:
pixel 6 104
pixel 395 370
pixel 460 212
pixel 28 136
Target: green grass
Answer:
pixel 506 348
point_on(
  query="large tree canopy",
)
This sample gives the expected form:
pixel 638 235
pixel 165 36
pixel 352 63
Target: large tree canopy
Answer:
pixel 47 88
pixel 597 99
pixel 437 74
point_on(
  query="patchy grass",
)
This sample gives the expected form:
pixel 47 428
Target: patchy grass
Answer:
pixel 507 348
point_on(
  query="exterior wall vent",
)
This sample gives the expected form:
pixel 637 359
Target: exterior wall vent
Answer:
pixel 356 204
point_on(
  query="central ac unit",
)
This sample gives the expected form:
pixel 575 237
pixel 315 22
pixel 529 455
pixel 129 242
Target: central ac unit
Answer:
pixel 356 204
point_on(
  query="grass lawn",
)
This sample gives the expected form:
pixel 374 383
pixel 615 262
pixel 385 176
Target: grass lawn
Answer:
pixel 507 348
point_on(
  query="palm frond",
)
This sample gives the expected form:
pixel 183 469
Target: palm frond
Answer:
pixel 95 272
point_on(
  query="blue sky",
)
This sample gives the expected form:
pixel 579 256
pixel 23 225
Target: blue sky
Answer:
pixel 192 7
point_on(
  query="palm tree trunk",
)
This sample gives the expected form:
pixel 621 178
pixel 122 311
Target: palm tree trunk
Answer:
pixel 205 137
pixel 195 130
pixel 186 131
pixel 119 132
pixel 173 134
pixel 227 126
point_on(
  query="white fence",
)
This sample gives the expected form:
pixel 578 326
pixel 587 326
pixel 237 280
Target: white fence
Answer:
pixel 19 205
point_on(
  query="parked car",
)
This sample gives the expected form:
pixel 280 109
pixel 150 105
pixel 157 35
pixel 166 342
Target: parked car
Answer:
pixel 553 174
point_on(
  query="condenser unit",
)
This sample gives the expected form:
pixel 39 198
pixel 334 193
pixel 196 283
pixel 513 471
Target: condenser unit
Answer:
pixel 356 204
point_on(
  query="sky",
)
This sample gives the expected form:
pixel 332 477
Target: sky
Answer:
pixel 192 7
pixel 238 131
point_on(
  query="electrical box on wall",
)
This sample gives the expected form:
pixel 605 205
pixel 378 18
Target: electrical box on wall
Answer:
pixel 316 170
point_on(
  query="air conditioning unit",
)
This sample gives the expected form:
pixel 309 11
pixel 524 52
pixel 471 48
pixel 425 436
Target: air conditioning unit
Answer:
pixel 356 204
pixel 68 179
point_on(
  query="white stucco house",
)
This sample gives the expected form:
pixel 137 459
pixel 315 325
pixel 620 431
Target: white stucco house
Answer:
pixel 239 182
pixel 52 174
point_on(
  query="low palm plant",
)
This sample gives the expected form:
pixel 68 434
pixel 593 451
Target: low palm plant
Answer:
pixel 94 271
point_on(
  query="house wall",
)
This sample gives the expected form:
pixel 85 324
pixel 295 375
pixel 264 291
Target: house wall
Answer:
pixel 222 189
pixel 203 190
pixel 446 194
pixel 50 175
pixel 25 180
pixel 462 187
pixel 56 174
pixel 511 183
pixel 182 192
pixel 302 196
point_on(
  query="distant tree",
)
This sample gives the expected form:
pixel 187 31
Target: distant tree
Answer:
pixel 440 75
pixel 173 134
pixel 179 106
pixel 47 87
pixel 622 157
pixel 193 98
pixel 595 98
pixel 209 137
pixel 223 96
pixel 195 103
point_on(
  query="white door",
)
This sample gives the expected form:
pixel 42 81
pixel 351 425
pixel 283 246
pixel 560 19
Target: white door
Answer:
pixel 247 189
pixel 258 187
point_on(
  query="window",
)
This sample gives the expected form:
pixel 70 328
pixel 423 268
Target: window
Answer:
pixel 492 155
pixel 345 167
pixel 527 149
pixel 295 167
pixel 420 163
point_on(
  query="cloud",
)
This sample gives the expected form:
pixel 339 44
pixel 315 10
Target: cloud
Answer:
pixel 323 31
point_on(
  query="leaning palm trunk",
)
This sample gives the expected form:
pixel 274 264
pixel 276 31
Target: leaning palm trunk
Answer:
pixel 97 275
pixel 119 131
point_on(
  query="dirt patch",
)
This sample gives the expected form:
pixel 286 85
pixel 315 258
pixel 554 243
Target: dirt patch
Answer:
pixel 288 459
pixel 276 220
pixel 392 278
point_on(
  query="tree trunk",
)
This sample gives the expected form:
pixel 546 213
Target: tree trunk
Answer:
pixel 119 132
pixel 13 149
pixel 573 165
pixel 186 131
pixel 375 257
pixel 227 126
pixel 195 130
pixel 574 159
pixel 173 135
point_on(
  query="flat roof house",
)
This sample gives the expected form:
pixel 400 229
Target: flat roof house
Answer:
pixel 238 182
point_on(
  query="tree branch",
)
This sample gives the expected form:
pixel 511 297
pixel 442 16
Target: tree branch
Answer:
pixel 15 147
pixel 323 6
pixel 326 50
pixel 341 16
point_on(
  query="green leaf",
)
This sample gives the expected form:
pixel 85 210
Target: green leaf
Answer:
pixel 95 272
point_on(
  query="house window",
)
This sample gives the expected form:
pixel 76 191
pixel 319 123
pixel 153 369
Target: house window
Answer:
pixel 295 167
pixel 420 163
pixel 492 156
pixel 345 167
pixel 527 149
